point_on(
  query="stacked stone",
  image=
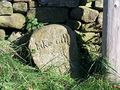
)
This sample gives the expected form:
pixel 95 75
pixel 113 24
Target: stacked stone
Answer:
pixel 84 16
pixel 12 16
pixel 90 14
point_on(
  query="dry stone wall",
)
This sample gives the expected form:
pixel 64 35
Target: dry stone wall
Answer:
pixel 83 16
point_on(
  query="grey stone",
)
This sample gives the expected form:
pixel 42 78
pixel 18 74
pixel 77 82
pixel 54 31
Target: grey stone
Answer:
pixel 55 47
pixel 100 19
pixel 2 33
pixel 99 4
pixel 60 3
pixel 16 21
pixel 84 13
pixel 6 8
pixel 33 4
pixel 49 14
pixel 20 7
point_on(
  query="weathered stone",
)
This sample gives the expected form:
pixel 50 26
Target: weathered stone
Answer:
pixel 100 19
pixel 90 38
pixel 2 33
pixel 60 3
pixel 6 8
pixel 84 13
pixel 49 14
pixel 91 27
pixel 33 4
pixel 20 7
pixel 91 42
pixel 94 49
pixel 55 46
pixel 99 4
pixel 73 24
pixel 89 4
pixel 14 36
pixel 16 21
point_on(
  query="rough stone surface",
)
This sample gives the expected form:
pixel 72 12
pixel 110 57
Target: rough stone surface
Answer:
pixel 20 7
pixel 60 3
pixel 14 36
pixel 100 19
pixel 5 8
pixel 84 13
pixel 55 45
pixel 47 14
pixel 16 21
pixel 89 4
pixel 91 27
pixel 84 2
pixel 90 37
pixel 90 1
pixel 2 33
pixel 99 4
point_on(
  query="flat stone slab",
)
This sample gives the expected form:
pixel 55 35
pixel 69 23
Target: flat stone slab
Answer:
pixel 20 7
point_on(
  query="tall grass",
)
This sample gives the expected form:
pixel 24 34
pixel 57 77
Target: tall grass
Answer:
pixel 14 75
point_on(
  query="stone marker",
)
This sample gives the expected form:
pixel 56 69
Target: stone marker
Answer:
pixel 55 46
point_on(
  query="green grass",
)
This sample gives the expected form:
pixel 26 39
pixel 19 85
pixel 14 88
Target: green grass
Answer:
pixel 14 75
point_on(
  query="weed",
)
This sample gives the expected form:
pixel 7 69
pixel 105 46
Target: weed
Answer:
pixel 33 24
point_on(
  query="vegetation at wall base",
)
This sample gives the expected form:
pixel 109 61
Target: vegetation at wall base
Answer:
pixel 15 75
